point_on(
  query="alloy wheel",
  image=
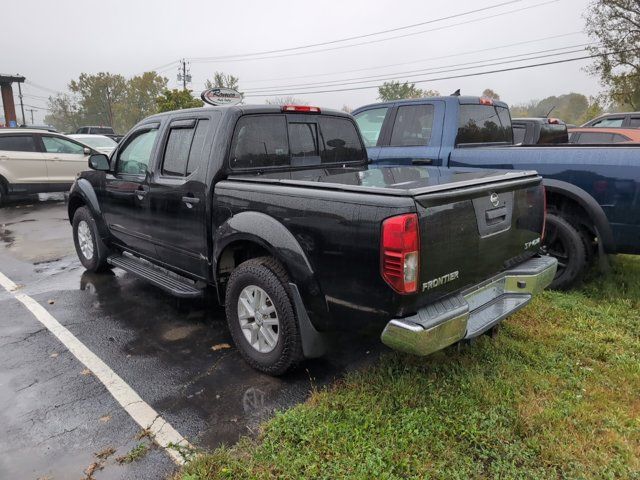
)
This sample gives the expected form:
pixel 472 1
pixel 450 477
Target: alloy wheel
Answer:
pixel 258 319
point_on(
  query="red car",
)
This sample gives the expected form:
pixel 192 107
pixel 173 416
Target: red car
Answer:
pixel 586 135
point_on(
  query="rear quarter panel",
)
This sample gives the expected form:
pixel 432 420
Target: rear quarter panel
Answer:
pixel 340 234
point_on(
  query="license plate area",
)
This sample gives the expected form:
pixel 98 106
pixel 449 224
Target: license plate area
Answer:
pixel 482 295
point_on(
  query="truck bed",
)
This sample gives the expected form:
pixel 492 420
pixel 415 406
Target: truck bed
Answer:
pixel 464 237
pixel 404 181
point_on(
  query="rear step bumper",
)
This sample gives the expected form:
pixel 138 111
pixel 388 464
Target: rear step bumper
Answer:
pixel 471 312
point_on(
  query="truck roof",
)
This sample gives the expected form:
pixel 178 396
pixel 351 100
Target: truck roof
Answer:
pixel 244 110
pixel 462 100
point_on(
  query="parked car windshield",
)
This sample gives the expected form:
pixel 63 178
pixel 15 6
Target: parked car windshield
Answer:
pixel 97 142
pixel 102 130
pixel 484 124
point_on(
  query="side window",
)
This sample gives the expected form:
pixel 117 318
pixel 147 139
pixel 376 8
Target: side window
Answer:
pixel 197 152
pixel 340 141
pixel 617 138
pixel 370 124
pixel 184 150
pixel 260 141
pixel 412 126
pixel 609 122
pixel 595 137
pixel 176 153
pixel 61 145
pixel 17 143
pixel 135 156
pixel 634 122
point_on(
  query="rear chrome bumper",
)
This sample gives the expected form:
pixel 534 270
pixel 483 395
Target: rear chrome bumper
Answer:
pixel 471 312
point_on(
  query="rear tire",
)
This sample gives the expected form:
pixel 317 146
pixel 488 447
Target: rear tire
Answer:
pixel 261 316
pixel 565 243
pixel 90 248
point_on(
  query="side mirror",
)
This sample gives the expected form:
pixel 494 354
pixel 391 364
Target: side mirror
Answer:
pixel 99 161
pixel 86 151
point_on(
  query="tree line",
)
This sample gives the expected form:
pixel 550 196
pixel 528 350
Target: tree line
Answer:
pixel 111 99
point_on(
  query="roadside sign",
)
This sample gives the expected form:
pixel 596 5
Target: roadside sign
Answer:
pixel 221 96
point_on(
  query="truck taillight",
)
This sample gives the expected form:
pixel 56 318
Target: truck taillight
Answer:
pixel 486 101
pixel 544 215
pixel 300 109
pixel 400 252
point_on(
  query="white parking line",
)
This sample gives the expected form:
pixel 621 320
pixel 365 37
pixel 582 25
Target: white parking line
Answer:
pixel 141 412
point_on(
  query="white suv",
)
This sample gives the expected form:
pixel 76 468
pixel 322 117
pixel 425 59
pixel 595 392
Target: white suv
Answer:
pixel 35 161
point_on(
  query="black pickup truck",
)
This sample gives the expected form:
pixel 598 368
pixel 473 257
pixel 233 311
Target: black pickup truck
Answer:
pixel 276 210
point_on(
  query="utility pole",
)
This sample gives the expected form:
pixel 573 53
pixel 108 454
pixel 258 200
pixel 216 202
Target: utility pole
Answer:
pixel 184 75
pixel 21 105
pixel 31 110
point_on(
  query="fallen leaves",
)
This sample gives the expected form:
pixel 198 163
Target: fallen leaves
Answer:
pixel 220 346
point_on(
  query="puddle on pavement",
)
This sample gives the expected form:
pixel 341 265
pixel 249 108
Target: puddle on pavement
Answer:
pixel 212 391
pixel 6 236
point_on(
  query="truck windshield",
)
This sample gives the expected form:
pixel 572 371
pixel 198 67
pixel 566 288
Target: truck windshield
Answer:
pixel 484 124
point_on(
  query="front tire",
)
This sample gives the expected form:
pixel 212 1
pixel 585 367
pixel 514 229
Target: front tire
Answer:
pixel 261 316
pixel 564 242
pixel 90 248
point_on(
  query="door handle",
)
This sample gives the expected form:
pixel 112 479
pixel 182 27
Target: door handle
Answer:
pixel 140 193
pixel 190 201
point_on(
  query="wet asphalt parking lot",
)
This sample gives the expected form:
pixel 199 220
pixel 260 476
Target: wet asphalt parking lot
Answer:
pixel 58 420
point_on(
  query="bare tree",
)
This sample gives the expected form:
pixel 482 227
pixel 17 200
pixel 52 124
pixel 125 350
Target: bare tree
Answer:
pixel 286 101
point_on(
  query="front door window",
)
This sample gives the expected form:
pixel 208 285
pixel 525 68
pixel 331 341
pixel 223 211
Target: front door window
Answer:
pixel 134 158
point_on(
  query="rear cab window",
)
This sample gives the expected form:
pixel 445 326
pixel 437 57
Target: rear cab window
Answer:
pixel 264 141
pixel 484 124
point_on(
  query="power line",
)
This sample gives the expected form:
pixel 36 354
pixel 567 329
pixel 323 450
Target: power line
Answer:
pixel 40 87
pixel 218 59
pixel 467 65
pixel 424 80
pixel 381 32
pixel 378 67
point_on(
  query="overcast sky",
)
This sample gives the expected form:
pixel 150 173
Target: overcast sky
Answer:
pixel 52 42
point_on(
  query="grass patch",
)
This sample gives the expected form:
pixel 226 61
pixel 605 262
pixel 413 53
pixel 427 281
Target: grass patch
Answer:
pixel 555 395
pixel 136 453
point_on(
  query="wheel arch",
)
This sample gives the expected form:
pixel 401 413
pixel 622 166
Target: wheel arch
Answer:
pixel 82 194
pixel 254 234
pixel 563 193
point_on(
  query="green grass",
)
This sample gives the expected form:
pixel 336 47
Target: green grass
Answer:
pixel 135 454
pixel 555 395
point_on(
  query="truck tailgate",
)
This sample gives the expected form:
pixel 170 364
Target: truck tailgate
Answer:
pixel 470 233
